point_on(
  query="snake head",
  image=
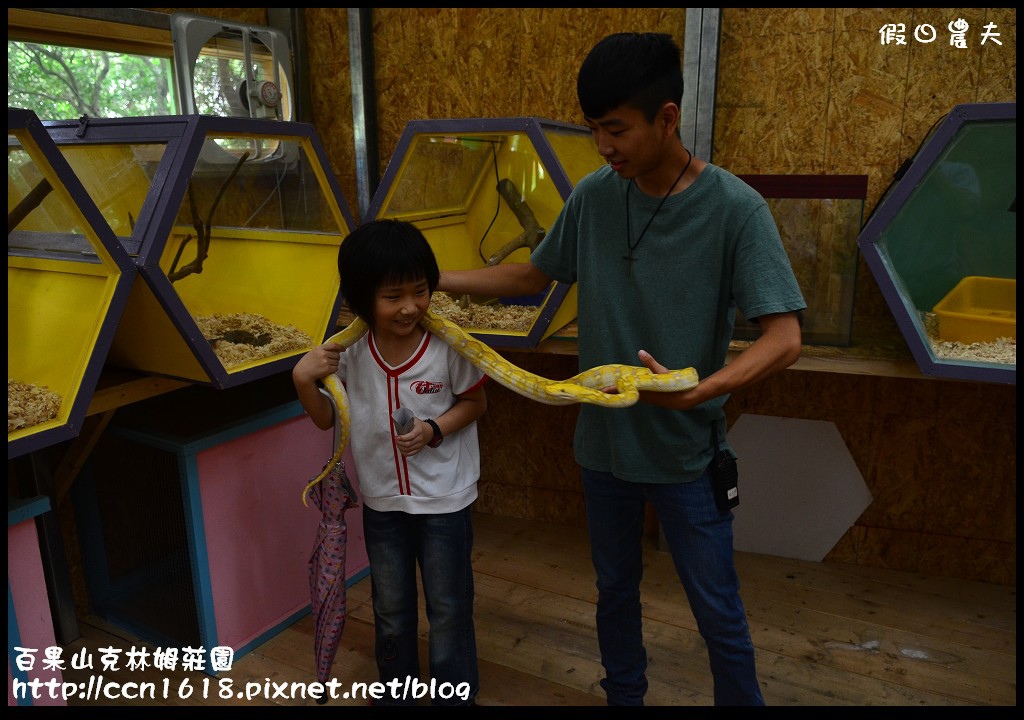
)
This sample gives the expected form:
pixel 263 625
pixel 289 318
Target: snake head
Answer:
pixel 562 391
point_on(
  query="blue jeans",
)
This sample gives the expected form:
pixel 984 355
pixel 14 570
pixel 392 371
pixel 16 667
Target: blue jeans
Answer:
pixel 396 542
pixel 700 540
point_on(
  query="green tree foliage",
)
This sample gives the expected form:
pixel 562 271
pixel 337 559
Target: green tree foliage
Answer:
pixel 60 83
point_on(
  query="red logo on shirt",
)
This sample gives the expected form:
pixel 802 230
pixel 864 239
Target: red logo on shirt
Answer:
pixel 425 387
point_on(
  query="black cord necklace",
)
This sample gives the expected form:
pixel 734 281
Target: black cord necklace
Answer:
pixel 633 245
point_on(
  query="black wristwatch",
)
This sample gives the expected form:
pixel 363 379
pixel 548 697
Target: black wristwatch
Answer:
pixel 438 437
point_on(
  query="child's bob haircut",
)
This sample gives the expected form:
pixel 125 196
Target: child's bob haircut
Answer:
pixel 379 252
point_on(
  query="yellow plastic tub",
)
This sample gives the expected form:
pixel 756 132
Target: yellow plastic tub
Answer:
pixel 979 309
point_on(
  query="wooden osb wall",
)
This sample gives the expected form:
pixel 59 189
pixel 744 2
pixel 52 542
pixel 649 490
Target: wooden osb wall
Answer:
pixel 813 90
pixel 246 15
pixel 939 458
pixel 442 63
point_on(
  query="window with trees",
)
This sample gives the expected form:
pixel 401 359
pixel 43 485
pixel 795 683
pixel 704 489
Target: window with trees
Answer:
pixel 61 82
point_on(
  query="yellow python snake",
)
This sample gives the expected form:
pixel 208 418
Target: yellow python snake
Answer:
pixel 586 387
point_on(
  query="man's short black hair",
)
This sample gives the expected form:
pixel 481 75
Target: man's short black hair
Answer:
pixel 641 70
pixel 383 251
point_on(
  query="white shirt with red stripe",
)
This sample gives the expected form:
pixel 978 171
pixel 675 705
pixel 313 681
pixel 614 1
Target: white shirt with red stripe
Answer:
pixel 434 480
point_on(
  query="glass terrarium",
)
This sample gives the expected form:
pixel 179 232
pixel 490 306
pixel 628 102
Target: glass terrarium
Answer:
pixel 942 245
pixel 234 224
pixel 818 217
pixel 485 191
pixel 68 279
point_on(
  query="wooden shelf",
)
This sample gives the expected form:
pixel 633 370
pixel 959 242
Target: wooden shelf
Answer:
pixel 117 388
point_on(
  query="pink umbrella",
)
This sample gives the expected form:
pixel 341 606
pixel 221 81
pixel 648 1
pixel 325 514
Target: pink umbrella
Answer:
pixel 332 496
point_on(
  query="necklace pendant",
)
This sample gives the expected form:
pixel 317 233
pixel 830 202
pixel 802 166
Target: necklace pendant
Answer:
pixel 629 263
pixel 630 245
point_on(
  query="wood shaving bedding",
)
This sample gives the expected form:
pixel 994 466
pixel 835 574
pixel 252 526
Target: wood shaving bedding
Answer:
pixel 262 338
pixel 29 405
pixel 1002 350
pixel 511 318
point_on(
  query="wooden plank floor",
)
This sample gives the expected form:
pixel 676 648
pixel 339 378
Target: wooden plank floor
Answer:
pixel 826 634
